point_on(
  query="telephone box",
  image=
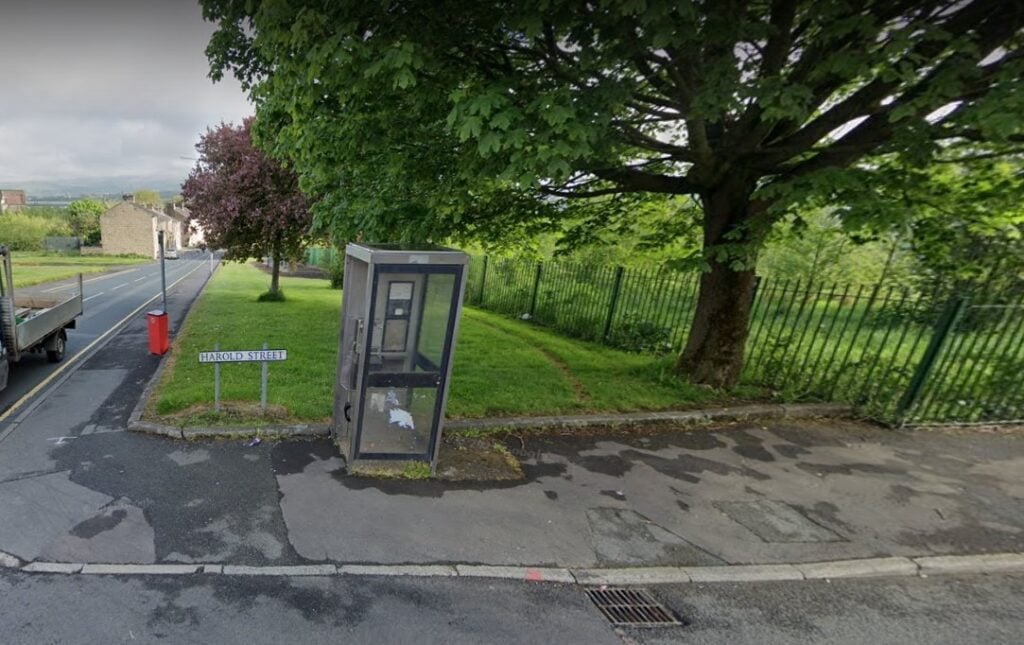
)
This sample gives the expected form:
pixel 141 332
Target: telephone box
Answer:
pixel 400 318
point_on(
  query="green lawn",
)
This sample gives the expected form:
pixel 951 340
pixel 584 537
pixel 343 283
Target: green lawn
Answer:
pixel 502 367
pixel 36 268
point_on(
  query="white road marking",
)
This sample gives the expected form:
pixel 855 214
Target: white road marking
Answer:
pixel 95 295
pixel 141 279
pixel 123 284
pixel 102 277
pixel 57 441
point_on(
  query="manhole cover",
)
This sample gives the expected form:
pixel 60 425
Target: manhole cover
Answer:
pixel 631 607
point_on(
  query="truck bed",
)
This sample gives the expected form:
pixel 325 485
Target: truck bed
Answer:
pixel 32 319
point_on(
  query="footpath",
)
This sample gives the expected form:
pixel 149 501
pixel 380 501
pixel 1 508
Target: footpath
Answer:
pixel 748 500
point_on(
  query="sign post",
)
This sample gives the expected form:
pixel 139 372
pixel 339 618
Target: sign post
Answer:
pixel 263 383
pixel 163 271
pixel 216 382
pixel 262 356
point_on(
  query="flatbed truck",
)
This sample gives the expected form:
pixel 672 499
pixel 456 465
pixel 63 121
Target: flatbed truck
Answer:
pixel 32 324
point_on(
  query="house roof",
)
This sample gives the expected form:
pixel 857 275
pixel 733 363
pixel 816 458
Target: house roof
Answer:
pixel 179 213
pixel 152 212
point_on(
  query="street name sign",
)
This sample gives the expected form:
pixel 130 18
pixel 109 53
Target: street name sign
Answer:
pixel 244 356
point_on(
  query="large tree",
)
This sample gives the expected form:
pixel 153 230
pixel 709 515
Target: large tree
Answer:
pixel 421 114
pixel 148 197
pixel 84 219
pixel 246 202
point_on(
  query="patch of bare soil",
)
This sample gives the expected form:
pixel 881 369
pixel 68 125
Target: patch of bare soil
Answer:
pixel 231 413
pixel 476 459
pixel 1008 429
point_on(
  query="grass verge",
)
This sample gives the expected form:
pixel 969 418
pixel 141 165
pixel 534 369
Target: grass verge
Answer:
pixel 502 367
pixel 37 268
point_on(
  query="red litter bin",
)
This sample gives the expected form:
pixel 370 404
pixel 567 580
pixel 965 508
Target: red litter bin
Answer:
pixel 159 339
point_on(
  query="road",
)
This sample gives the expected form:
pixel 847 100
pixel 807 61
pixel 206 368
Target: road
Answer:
pixel 358 609
pixel 109 299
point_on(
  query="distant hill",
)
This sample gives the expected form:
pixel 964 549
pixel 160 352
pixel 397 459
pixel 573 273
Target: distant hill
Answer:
pixel 63 189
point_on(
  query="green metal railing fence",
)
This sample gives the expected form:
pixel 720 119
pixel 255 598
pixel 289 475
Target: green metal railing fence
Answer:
pixel 896 355
pixel 319 256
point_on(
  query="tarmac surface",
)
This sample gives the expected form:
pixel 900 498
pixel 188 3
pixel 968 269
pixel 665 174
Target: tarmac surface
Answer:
pixel 75 487
pixel 220 609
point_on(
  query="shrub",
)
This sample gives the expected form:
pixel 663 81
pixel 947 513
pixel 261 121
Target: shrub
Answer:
pixel 25 232
pixel 336 270
pixel 634 334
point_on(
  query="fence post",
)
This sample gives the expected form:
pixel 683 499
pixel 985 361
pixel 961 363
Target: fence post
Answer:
pixel 945 323
pixel 616 287
pixel 483 279
pixel 753 298
pixel 536 286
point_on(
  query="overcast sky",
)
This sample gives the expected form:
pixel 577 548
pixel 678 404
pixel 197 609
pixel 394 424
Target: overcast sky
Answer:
pixel 107 88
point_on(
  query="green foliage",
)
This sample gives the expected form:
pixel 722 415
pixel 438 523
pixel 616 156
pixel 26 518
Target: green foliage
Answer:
pixel 634 334
pixel 24 231
pixel 148 197
pixel 816 246
pixel 408 119
pixel 491 120
pixel 962 226
pixel 415 470
pixel 84 219
pixel 336 270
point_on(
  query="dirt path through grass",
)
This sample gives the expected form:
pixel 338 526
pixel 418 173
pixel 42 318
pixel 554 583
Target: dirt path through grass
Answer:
pixel 580 394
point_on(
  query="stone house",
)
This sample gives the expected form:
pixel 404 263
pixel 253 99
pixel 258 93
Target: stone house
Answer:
pixel 128 228
pixel 187 235
pixel 12 200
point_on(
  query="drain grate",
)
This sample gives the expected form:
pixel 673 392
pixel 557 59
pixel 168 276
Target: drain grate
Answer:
pixel 631 607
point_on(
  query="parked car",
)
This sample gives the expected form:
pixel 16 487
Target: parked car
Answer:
pixel 171 254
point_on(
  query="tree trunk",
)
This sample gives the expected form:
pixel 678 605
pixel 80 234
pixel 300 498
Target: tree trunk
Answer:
pixel 275 272
pixel 713 354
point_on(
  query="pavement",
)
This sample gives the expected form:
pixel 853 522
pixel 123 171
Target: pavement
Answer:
pixel 786 494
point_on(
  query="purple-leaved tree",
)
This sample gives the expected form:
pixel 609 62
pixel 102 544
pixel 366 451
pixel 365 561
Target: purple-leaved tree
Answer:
pixel 246 202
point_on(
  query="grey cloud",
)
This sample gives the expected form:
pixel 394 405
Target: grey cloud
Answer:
pixel 96 89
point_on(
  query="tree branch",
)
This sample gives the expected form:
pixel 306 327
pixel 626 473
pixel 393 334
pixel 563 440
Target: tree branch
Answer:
pixel 634 180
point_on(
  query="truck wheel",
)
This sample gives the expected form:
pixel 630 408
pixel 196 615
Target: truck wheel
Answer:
pixel 56 354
